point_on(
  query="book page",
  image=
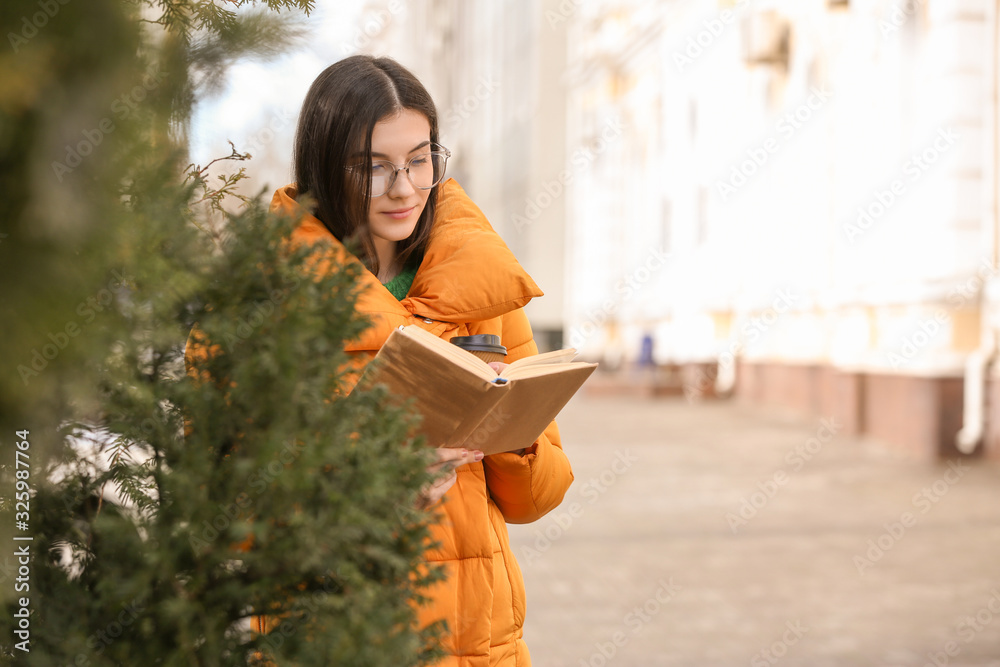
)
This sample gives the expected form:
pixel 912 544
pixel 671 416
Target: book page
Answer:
pixel 471 362
pixel 554 357
pixel 534 370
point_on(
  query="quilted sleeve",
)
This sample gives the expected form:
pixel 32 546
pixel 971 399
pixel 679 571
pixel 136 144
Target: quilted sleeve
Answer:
pixel 526 487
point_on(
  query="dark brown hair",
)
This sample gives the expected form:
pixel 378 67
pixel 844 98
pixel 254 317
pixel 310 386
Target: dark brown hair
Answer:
pixel 337 119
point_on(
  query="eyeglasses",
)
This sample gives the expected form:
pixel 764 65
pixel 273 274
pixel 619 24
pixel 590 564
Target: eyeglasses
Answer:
pixel 424 171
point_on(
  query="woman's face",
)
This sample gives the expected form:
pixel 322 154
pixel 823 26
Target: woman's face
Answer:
pixel 393 216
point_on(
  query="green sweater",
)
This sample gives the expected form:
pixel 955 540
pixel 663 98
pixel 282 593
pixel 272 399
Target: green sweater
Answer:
pixel 400 285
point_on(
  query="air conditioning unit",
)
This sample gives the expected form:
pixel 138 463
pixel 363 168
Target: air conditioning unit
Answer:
pixel 765 38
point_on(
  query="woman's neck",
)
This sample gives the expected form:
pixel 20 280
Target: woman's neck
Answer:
pixel 385 252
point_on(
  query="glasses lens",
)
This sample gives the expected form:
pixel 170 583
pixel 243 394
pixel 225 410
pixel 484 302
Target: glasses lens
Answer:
pixel 440 161
pixel 382 173
pixel 427 170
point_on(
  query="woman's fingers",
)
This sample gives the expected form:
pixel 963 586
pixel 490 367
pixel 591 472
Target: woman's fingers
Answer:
pixel 444 483
pixel 454 457
pixel 436 491
pixel 449 458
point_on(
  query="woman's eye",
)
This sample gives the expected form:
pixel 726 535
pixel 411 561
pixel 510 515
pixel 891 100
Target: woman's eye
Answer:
pixel 420 160
pixel 377 169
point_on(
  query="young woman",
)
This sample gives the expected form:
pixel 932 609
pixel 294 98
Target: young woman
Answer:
pixel 368 160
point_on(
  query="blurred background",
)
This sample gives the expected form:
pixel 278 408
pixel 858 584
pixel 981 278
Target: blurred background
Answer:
pixel 775 223
pixel 790 202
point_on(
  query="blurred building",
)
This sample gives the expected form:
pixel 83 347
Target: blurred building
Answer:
pixel 790 201
pixel 822 176
pixel 495 71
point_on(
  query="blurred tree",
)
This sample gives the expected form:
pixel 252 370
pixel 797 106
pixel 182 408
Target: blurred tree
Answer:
pixel 161 512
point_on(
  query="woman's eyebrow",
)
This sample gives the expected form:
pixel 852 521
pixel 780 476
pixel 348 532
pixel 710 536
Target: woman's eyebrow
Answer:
pixel 415 148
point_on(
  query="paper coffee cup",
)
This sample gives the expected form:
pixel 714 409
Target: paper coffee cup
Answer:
pixel 485 346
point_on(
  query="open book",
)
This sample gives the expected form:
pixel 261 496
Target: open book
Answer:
pixel 464 403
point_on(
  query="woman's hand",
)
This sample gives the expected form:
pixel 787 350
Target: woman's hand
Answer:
pixel 449 458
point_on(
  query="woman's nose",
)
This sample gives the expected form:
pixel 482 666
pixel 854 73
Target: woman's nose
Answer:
pixel 402 187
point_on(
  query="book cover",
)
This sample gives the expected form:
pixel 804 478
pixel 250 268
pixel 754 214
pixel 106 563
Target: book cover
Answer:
pixel 463 402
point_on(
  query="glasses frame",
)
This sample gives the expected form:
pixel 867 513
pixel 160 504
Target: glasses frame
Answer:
pixel 436 149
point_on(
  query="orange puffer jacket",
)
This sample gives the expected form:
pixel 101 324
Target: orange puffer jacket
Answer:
pixel 468 283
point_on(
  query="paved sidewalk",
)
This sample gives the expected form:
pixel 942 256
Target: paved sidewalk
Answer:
pixel 717 534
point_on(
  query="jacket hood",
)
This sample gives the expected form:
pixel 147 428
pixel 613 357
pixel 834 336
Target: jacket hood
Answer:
pixel 467 274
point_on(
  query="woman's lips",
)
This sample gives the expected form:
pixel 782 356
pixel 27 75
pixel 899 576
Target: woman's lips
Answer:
pixel 400 213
